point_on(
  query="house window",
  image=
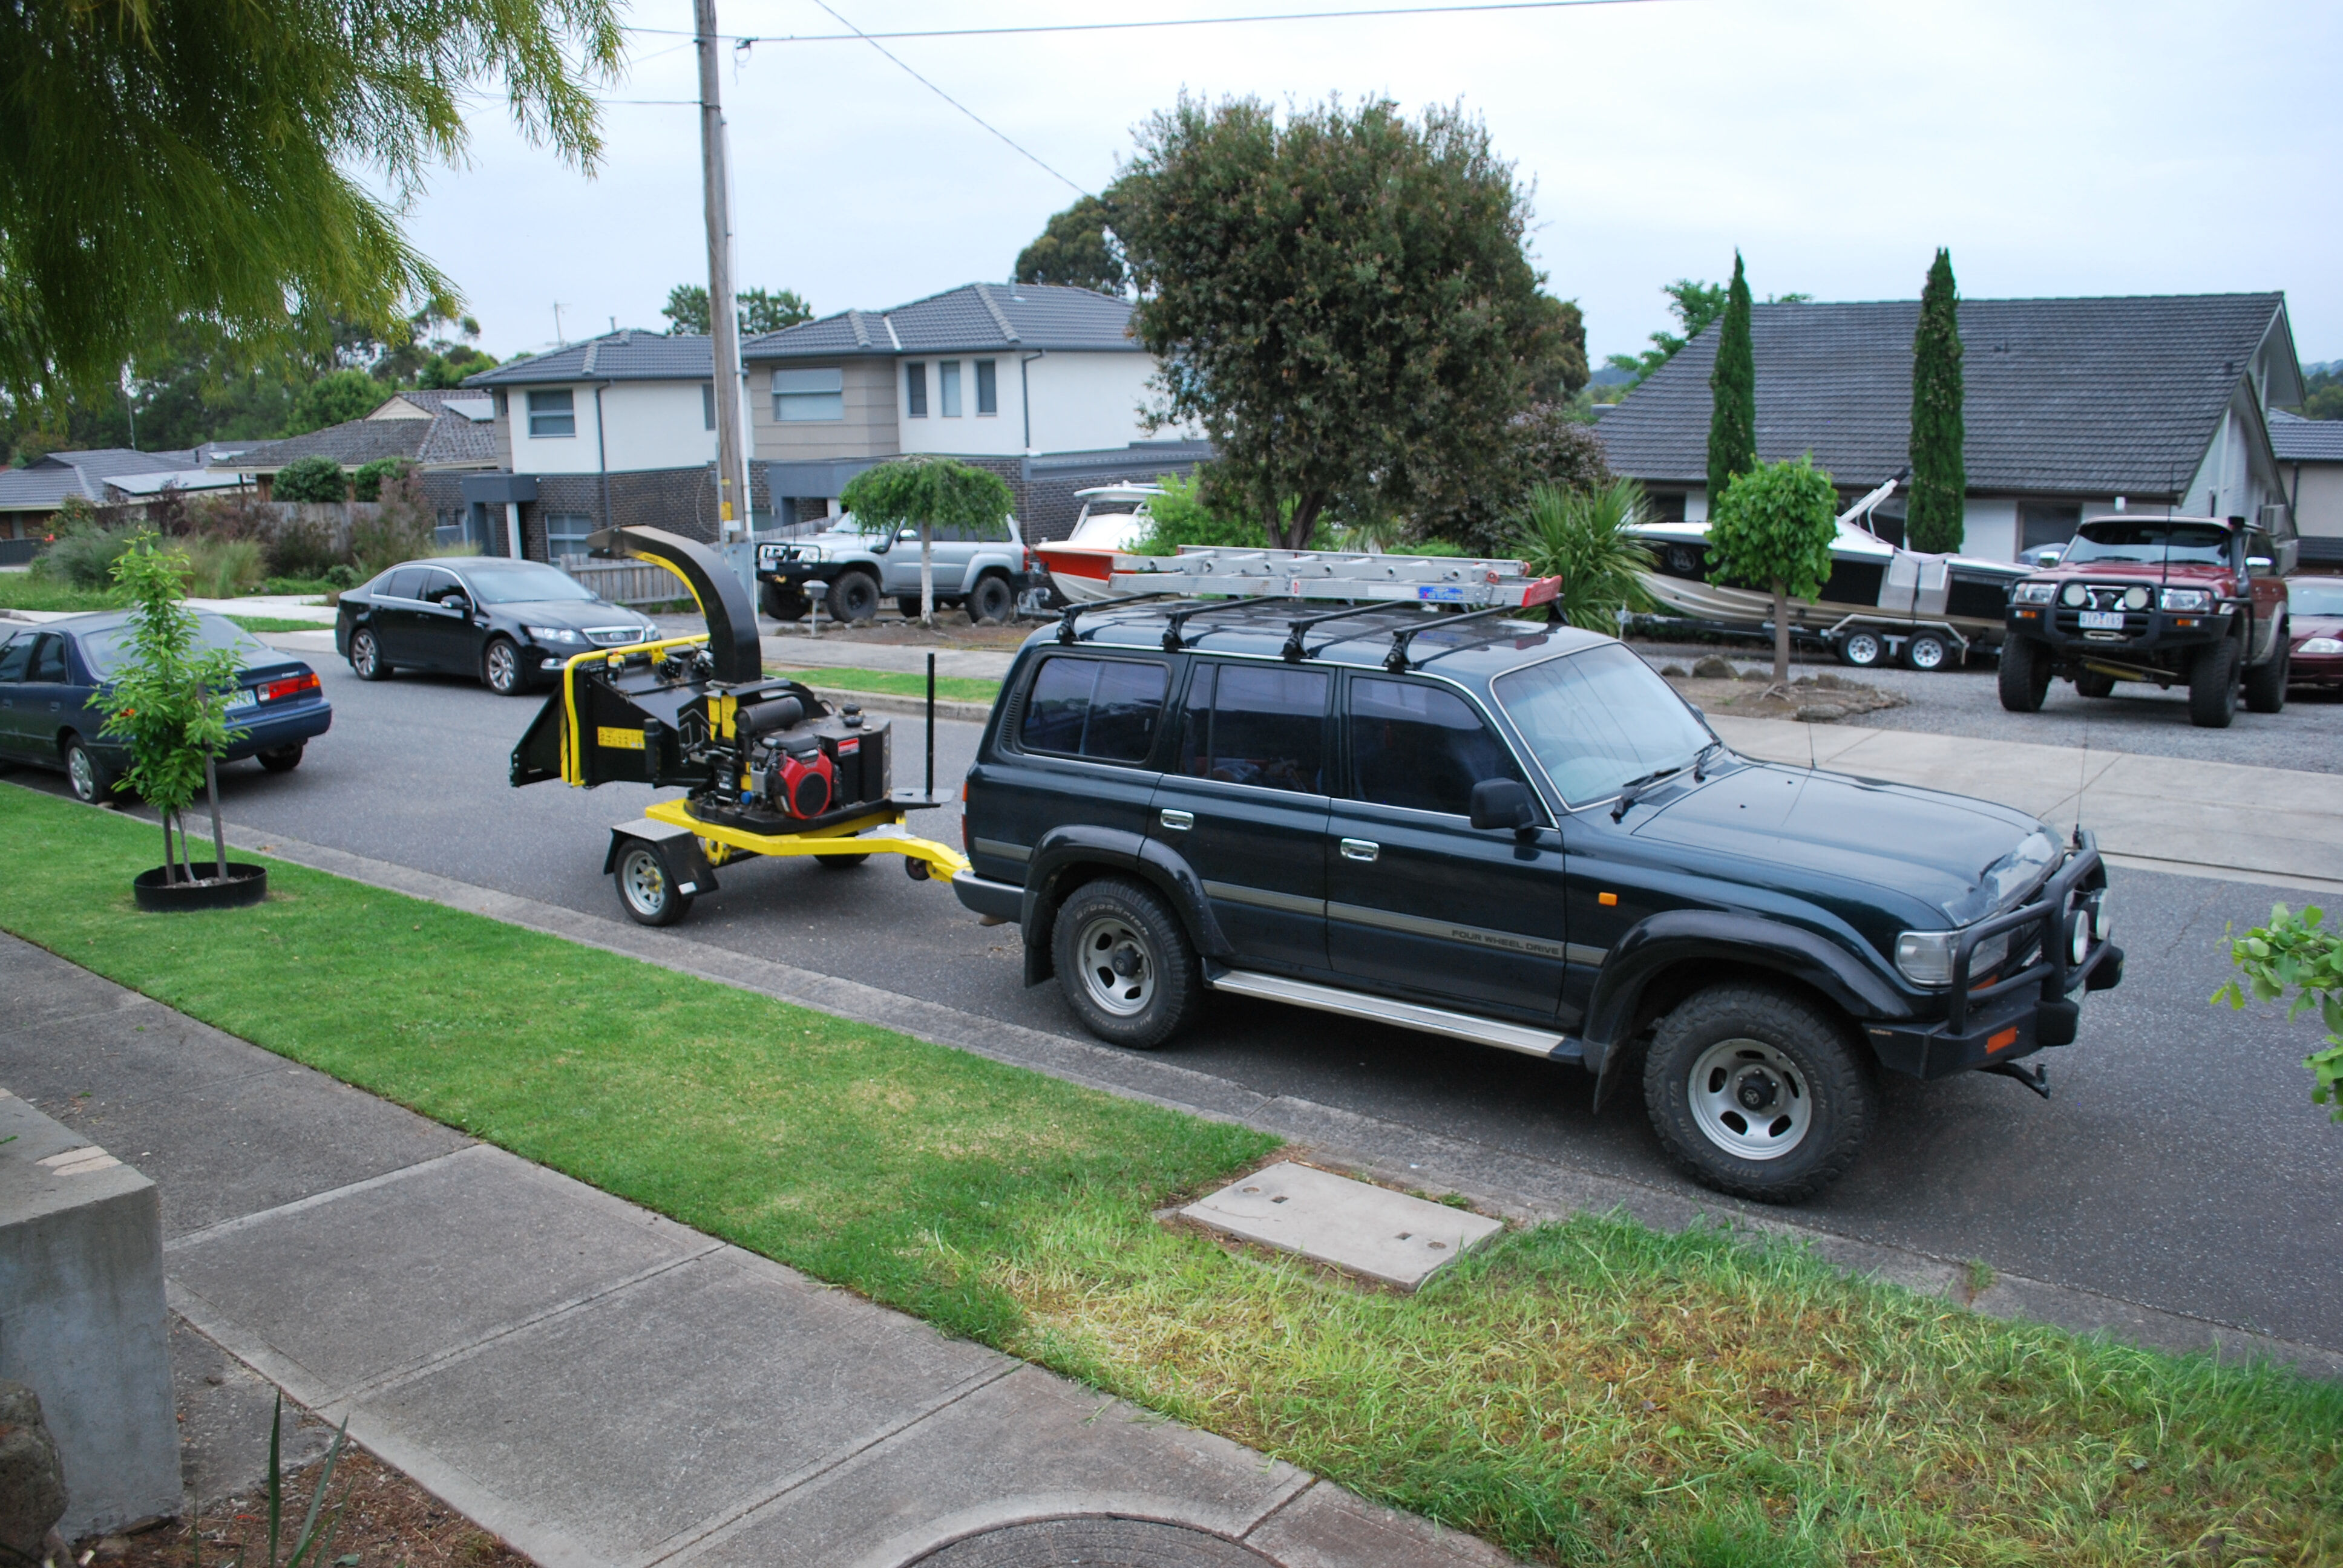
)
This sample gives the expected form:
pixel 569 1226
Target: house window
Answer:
pixel 948 385
pixel 987 393
pixel 708 405
pixel 915 389
pixel 566 533
pixel 808 395
pixel 552 414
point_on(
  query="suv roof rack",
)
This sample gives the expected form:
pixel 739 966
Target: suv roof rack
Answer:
pixel 1072 612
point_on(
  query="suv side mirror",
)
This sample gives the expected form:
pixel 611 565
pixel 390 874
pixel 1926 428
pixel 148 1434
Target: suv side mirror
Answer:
pixel 1503 803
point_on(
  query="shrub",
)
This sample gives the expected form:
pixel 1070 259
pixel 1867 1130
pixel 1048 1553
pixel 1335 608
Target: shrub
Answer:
pixel 222 569
pixel 302 548
pixel 399 531
pixel 1582 537
pixel 1480 506
pixel 83 558
pixel 238 515
pixel 1180 516
pixel 312 479
pixel 366 484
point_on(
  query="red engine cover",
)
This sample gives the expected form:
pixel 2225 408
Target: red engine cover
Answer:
pixel 806 786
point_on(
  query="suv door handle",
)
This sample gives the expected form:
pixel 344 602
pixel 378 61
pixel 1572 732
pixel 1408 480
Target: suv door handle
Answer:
pixel 1177 821
pixel 1360 850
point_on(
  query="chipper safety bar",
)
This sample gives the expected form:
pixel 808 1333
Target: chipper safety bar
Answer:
pixel 768 767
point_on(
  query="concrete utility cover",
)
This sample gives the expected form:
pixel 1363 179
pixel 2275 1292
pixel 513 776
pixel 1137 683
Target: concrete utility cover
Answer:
pixel 1370 1230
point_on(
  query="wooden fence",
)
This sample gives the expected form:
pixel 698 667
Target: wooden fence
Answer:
pixel 626 582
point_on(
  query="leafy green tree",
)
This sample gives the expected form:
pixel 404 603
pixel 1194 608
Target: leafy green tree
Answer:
pixel 334 398
pixel 1694 305
pixel 2295 952
pixel 1180 516
pixel 367 483
pixel 168 702
pixel 1586 539
pixel 1339 301
pixel 2322 396
pixel 1733 391
pixel 1077 247
pixel 756 310
pixel 928 493
pixel 247 164
pixel 1480 506
pixel 1940 483
pixel 317 477
pixel 1775 528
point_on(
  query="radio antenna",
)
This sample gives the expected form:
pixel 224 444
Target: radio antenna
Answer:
pixel 1810 746
pixel 2082 782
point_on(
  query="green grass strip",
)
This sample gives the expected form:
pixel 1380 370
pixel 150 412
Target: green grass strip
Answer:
pixel 895 682
pixel 1586 1393
pixel 23 590
pixel 271 623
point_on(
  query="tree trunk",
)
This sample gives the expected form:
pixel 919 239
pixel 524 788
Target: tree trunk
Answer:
pixel 927 577
pixel 1781 633
pixel 219 844
pixel 170 873
pixel 1295 534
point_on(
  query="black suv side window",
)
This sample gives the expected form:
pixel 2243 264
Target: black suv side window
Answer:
pixel 1259 725
pixel 1420 747
pixel 1107 709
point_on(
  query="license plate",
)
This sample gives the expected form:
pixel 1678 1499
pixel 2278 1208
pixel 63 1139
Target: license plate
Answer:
pixel 247 698
pixel 769 555
pixel 2103 620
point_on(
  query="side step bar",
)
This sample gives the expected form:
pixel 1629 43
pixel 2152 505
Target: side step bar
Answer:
pixel 1405 1014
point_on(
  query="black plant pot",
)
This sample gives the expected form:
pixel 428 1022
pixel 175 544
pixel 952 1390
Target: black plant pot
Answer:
pixel 245 884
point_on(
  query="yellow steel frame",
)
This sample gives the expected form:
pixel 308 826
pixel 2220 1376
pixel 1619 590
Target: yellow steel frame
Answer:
pixel 848 837
pixel 573 744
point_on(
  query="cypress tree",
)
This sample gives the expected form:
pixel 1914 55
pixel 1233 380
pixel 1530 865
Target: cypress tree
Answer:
pixel 1939 479
pixel 1733 389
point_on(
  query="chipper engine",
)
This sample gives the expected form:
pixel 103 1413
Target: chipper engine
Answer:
pixel 768 768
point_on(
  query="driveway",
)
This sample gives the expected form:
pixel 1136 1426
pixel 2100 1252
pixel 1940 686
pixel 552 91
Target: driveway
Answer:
pixel 2180 1164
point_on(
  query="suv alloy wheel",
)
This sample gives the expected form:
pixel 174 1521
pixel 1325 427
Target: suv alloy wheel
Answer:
pixel 1125 964
pixel 1755 1091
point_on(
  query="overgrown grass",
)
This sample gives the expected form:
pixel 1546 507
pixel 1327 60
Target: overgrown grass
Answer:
pixel 29 591
pixel 896 682
pixel 1585 1392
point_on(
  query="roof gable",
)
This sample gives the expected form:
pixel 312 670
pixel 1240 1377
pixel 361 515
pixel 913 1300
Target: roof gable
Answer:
pixel 2081 397
pixel 623 355
pixel 970 319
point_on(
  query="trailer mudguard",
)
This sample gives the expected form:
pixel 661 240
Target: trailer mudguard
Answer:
pixel 678 846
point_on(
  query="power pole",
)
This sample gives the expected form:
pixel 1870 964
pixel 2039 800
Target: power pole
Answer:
pixel 723 324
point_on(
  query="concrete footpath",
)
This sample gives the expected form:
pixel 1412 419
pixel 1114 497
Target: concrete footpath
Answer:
pixel 600 1386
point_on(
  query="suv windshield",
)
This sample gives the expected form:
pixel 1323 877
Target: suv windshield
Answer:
pixel 2315 598
pixel 522 582
pixel 2150 542
pixel 1600 719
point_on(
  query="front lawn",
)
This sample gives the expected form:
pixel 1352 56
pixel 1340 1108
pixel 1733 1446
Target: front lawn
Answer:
pixel 895 682
pixel 23 590
pixel 1582 1393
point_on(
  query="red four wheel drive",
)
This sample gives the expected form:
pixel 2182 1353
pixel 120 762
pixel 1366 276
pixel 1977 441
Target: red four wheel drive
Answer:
pixel 2199 602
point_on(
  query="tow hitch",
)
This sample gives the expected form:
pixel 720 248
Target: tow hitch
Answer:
pixel 2035 1076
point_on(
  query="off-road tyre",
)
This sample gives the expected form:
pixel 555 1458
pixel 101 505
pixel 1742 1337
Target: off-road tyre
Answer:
pixel 2266 681
pixel 502 670
pixel 1781 1040
pixel 366 661
pixel 2094 683
pixel 854 597
pixel 781 602
pixel 2213 685
pixel 280 758
pixel 908 606
pixel 1111 919
pixel 1861 650
pixel 2024 675
pixel 645 886
pixel 1927 651
pixel 93 783
pixel 991 601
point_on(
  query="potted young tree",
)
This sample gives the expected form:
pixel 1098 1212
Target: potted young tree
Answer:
pixel 168 704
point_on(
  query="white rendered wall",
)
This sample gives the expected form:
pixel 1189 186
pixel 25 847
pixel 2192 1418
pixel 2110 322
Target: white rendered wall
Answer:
pixel 1989 529
pixel 656 425
pixel 2318 505
pixel 1087 402
pixel 553 453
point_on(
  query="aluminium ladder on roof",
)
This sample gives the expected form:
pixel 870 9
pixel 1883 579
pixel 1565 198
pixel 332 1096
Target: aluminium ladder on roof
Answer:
pixel 1334 575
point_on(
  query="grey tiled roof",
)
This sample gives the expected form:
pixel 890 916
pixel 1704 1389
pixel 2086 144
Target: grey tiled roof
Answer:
pixel 623 355
pixel 444 441
pixel 2300 441
pixel 970 318
pixel 433 400
pixel 2082 396
pixel 43 487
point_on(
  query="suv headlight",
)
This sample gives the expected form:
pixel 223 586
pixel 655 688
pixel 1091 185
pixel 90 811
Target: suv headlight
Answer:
pixel 2189 599
pixel 552 634
pixel 2034 593
pixel 1925 957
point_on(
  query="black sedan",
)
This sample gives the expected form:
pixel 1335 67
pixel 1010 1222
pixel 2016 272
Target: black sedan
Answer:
pixel 52 675
pixel 513 624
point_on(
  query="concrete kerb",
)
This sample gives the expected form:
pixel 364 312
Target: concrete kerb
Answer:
pixel 1517 1186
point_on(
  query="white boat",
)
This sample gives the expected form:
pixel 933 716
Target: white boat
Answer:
pixel 1113 518
pixel 1880 602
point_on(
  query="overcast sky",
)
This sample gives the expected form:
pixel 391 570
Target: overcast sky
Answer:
pixel 2058 147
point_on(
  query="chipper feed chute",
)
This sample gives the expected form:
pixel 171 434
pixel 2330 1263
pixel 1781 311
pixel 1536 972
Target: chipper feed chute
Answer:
pixel 768 767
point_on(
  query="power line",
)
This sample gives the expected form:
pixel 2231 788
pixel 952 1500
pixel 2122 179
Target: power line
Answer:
pixel 948 98
pixel 857 36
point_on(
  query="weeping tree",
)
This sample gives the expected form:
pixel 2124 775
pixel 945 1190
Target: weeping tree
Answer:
pixel 169 702
pixel 1774 530
pixel 1733 392
pixel 928 493
pixel 1939 476
pixel 246 165
pixel 1586 537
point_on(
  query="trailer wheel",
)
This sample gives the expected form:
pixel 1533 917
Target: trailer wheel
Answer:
pixel 1927 650
pixel 1861 649
pixel 646 888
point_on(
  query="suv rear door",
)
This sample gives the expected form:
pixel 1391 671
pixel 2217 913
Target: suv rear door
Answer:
pixel 1085 727
pixel 1245 803
pixel 1417 898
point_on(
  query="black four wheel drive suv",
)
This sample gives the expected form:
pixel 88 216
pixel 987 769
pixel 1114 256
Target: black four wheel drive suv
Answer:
pixel 1519 835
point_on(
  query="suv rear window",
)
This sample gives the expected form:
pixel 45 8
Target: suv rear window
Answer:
pixel 1262 727
pixel 1420 747
pixel 1106 710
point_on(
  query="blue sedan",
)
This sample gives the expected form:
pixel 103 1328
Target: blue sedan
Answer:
pixel 51 678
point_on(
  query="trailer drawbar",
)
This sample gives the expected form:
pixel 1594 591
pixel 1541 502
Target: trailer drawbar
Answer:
pixel 768 767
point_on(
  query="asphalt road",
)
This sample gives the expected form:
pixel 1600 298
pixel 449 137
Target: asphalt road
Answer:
pixel 2180 1163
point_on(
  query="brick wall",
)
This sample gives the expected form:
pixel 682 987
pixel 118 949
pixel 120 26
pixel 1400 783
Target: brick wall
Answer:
pixel 680 500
